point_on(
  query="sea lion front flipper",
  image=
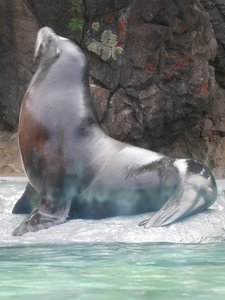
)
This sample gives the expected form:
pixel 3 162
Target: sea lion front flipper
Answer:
pixel 186 202
pixel 26 203
pixel 44 217
pixel 40 218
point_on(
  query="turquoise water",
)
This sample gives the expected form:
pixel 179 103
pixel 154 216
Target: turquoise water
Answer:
pixel 113 271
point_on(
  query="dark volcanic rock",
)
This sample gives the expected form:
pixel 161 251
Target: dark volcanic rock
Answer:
pixel 121 121
pixel 57 15
pixel 99 7
pixel 216 10
pixel 151 64
pixel 163 49
pixel 100 98
pixel 17 37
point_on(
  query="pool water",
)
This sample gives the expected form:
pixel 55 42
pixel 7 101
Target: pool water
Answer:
pixel 113 271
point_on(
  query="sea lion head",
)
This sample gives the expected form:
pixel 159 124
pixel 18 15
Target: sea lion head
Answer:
pixel 50 47
pixel 47 46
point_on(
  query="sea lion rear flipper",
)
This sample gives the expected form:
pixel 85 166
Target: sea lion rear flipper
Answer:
pixel 26 203
pixel 185 202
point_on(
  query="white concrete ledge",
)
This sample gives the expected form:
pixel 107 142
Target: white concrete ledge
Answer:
pixel 206 227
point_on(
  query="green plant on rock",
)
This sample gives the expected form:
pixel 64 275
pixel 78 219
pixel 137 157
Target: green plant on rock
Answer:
pixel 76 23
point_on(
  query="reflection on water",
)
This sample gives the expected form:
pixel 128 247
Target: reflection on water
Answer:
pixel 113 271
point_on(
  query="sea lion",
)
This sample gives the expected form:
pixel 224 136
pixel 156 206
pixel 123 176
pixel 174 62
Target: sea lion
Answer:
pixel 75 169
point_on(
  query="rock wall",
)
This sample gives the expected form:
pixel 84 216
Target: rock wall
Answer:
pixel 152 63
pixel 18 29
pixel 156 68
pixel 216 10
